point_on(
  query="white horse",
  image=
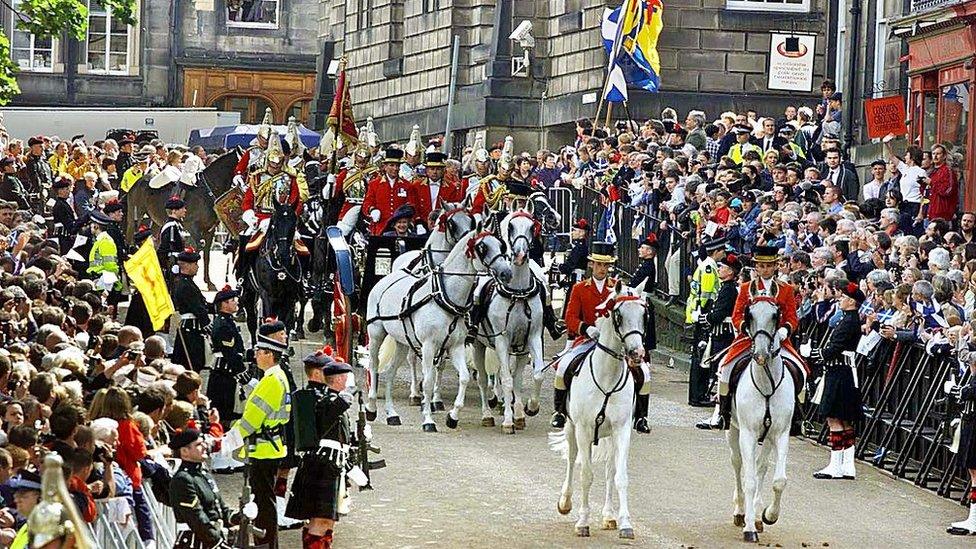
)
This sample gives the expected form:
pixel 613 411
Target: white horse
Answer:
pixel 426 315
pixel 601 404
pixel 762 411
pixel 512 327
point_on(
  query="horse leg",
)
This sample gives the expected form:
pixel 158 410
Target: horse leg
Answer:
pixel 438 404
pixel 738 500
pixel 535 351
pixel 507 384
pixel 208 238
pixel 584 439
pixel 376 336
pixel 771 514
pixel 427 357
pixel 415 392
pixel 464 376
pixel 747 448
pixel 478 354
pixel 565 503
pixel 300 320
pixel 609 514
pixel 621 441
pixel 762 464
pixel 392 418
pixel 518 406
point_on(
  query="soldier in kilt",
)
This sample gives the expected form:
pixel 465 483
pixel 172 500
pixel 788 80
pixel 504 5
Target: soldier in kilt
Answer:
pixel 322 436
pixel 840 402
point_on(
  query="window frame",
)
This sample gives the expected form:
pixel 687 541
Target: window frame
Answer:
pixel 880 45
pixel 364 14
pixel 129 33
pixel 433 6
pixel 758 5
pixel 231 24
pixel 32 48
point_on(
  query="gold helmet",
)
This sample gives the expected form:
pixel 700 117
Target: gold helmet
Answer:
pixel 264 130
pixel 507 161
pixel 415 146
pixel 55 516
pixel 274 155
pixel 293 138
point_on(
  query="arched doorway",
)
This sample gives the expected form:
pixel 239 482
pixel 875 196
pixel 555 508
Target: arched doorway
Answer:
pixel 251 107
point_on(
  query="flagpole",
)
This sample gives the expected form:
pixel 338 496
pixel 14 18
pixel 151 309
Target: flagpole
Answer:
pixel 606 124
pixel 614 52
pixel 333 169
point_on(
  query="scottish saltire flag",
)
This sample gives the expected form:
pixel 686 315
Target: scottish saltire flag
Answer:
pixel 630 35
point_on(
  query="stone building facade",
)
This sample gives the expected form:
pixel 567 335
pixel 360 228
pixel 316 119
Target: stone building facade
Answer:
pixel 713 56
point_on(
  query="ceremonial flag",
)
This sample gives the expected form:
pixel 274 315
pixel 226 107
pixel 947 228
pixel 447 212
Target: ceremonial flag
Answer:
pixel 630 35
pixel 146 275
pixel 341 121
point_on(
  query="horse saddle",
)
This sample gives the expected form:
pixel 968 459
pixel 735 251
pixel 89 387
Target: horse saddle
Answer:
pixel 254 244
pixel 797 371
pixel 569 363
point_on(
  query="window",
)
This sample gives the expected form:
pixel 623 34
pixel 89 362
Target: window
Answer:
pixel 431 6
pixel 880 39
pixel 363 13
pixel 300 110
pixel 251 107
pixel 779 6
pixel 255 14
pixel 108 42
pixel 29 52
pixel 841 45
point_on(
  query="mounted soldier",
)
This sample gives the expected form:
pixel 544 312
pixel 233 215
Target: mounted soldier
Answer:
pixel 386 192
pixel 492 188
pixel 295 148
pixel 253 158
pixel 413 156
pixel 482 167
pixel 351 181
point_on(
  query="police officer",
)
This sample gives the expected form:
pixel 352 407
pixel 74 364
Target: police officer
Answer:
pixel 171 237
pixel 103 258
pixel 718 324
pixel 322 436
pixel 194 313
pixel 228 352
pixel 260 431
pixel 840 402
pixel 704 286
pixel 196 499
pixel 63 213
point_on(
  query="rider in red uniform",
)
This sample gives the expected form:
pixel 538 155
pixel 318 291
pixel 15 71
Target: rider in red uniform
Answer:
pixel 430 191
pixel 386 192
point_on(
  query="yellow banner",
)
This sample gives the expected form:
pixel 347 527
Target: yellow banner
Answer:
pixel 145 273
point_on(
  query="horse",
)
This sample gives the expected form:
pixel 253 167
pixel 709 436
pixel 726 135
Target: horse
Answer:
pixel 545 212
pixel 762 411
pixel 425 315
pixel 201 221
pixel 277 272
pixel 601 404
pixel 512 327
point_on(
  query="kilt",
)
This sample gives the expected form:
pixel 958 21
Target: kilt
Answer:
pixel 315 491
pixel 222 392
pixel 841 399
pixel 966 458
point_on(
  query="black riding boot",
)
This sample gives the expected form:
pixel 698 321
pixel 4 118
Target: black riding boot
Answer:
pixel 724 411
pixel 640 414
pixel 552 323
pixel 559 402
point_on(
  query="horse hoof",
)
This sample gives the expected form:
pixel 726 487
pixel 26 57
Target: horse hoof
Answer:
pixel 582 531
pixel 529 412
pixel 416 401
pixel 766 520
pixel 429 428
pixel 394 421
pixel 564 510
pixel 451 422
pixel 438 406
pixel 493 402
pixel 609 524
pixel 750 537
pixel 627 533
pixel 508 429
pixel 759 526
pixel 487 422
pixel 370 416
pixel 519 424
pixel 739 520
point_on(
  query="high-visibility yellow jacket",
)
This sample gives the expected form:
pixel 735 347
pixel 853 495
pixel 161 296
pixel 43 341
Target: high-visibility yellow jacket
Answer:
pixel 739 149
pixel 104 257
pixel 130 177
pixel 704 287
pixel 21 539
pixel 265 414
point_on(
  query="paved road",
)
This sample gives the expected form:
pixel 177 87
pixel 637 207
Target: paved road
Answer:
pixel 477 487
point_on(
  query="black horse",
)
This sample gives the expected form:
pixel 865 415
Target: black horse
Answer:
pixel 277 271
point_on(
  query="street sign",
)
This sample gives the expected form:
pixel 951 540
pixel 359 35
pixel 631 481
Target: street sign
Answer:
pixel 790 66
pixel 885 115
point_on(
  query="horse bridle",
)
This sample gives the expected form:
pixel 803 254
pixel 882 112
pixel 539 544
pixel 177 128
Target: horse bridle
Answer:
pixel 611 310
pixel 614 314
pixel 770 354
pixel 536 228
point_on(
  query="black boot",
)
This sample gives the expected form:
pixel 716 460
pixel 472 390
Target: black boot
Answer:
pixel 724 411
pixel 551 323
pixel 559 403
pixel 640 414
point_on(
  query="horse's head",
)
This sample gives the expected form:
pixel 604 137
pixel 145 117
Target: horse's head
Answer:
pixel 219 175
pixel 761 322
pixel 626 313
pixel 544 211
pixel 281 231
pixel 519 229
pixel 488 253
pixel 455 221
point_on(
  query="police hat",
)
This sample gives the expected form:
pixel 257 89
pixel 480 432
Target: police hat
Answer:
pixel 188 255
pixel 182 439
pixel 224 294
pixel 112 206
pixel 270 327
pixel 100 219
pixel 25 480
pixel 713 244
pixel 175 203
pixel 787 130
pixel 435 159
pixel 740 129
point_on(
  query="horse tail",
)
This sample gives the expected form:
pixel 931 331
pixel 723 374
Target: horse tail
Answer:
pixel 387 350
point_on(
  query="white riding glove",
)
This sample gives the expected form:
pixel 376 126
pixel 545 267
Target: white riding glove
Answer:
pixel 805 349
pixel 239 180
pixel 783 333
pixel 249 217
pixel 250 509
pixel 592 332
pixel 329 188
pixel 375 215
pixel 421 230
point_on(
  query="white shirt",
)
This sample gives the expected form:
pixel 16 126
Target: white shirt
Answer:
pixel 435 189
pixel 908 184
pixel 599 284
pixel 767 284
pixel 872 189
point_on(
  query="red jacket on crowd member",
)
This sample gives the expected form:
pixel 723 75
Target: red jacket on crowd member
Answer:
pixel 943 193
pixel 80 493
pixel 132 448
pixel 583 301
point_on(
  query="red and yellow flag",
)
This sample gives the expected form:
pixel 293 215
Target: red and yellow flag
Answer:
pixel 147 276
pixel 341 120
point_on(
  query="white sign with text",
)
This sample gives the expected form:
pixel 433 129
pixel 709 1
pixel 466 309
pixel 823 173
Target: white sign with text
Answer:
pixel 791 62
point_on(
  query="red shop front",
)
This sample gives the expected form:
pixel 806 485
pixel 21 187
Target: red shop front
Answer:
pixel 942 81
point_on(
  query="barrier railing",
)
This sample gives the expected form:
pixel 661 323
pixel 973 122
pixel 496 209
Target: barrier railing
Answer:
pixel 907 428
pixel 563 200
pixel 115 523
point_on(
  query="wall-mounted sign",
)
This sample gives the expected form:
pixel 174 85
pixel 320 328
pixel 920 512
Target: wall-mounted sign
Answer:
pixel 791 62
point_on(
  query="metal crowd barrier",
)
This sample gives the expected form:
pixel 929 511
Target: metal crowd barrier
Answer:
pixel 563 200
pixel 907 428
pixel 115 523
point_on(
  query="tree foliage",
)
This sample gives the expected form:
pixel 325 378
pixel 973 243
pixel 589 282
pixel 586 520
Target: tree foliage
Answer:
pixel 51 19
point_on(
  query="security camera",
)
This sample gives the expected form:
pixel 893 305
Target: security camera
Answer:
pixel 523 34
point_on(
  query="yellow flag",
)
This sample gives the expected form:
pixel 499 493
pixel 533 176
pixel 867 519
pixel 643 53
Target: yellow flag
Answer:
pixel 145 273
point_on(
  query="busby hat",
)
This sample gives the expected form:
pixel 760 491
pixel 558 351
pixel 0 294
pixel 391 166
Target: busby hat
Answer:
pixel 713 244
pixel 182 439
pixel 852 291
pixel 435 159
pixel 602 252
pixel 765 254
pixel 175 203
pixel 112 206
pixel 582 224
pixel 733 262
pixel 392 156
pixel 224 294
pixel 142 233
pixel 100 219
pixel 188 255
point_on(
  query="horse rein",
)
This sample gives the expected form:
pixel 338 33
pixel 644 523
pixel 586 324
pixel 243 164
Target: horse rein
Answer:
pixel 772 354
pixel 624 371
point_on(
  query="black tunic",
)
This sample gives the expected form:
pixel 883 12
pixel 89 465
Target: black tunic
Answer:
pixel 841 399
pixel 188 300
pixel 647 271
pixel 170 245
pixel 575 264
pixel 966 457
pixel 65 224
pixel 197 503
pixel 719 317
pixel 315 490
pixel 225 338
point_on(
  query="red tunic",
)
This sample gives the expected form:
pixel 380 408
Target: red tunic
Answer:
pixel 385 197
pixel 450 191
pixel 582 305
pixel 785 300
pixel 294 198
